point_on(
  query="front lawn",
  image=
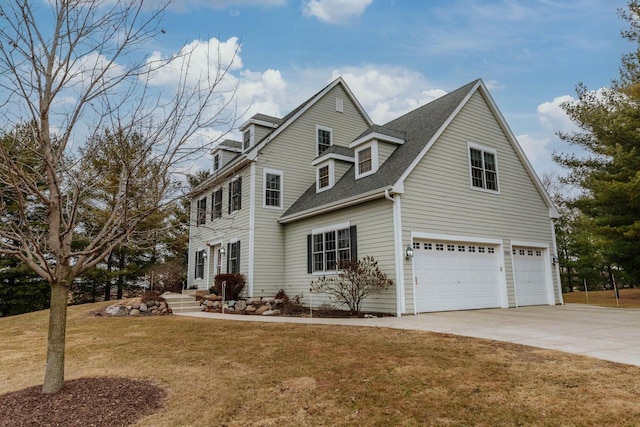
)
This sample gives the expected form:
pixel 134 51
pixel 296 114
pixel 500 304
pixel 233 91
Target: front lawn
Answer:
pixel 266 374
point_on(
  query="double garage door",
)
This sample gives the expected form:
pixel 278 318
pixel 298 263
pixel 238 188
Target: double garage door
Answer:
pixel 463 276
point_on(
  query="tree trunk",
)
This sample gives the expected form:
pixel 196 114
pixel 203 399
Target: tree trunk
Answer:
pixel 54 370
pixel 121 265
pixel 107 285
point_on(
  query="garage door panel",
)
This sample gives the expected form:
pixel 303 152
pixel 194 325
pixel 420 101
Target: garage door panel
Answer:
pixel 530 276
pixel 456 277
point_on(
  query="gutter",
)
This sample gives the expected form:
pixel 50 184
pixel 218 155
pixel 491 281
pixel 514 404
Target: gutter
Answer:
pixel 361 198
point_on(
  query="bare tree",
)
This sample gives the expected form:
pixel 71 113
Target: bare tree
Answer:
pixel 69 69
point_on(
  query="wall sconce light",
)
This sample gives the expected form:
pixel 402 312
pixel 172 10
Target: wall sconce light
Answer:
pixel 221 251
pixel 408 252
pixel 554 259
pixel 204 255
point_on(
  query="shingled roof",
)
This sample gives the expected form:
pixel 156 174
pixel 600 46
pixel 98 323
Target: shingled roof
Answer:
pixel 416 128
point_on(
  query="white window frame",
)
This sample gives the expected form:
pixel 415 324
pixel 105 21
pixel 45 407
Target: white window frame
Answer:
pixel 324 128
pixel 331 166
pixel 251 131
pixel 264 188
pixel 201 214
pixel 322 231
pixel 217 161
pixel 234 194
pixel 213 206
pixel 374 159
pixel 200 255
pixel 483 149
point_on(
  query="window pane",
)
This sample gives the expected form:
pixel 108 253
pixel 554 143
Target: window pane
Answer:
pixel 343 238
pixel 318 243
pixel 324 176
pixel 331 260
pixel 272 191
pixel 324 140
pixel 364 160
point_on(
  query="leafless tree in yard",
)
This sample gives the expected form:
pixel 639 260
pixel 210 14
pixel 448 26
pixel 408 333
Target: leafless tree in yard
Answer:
pixel 69 70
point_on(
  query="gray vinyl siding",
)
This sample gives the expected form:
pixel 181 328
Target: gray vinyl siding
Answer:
pixel 384 151
pixel 229 226
pixel 341 168
pixel 292 152
pixel 259 133
pixel 438 197
pixel 374 222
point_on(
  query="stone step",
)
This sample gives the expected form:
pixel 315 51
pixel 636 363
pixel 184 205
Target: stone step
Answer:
pixel 180 303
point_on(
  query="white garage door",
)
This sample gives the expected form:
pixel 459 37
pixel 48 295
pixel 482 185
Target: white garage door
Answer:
pixel 530 276
pixel 455 276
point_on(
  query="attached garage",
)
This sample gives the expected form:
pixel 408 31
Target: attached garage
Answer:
pixel 456 276
pixel 530 276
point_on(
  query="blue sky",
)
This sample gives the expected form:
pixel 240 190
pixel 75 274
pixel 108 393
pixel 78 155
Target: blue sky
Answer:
pixel 398 54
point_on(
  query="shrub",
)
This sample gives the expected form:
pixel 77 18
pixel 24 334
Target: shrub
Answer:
pixel 234 285
pixel 356 280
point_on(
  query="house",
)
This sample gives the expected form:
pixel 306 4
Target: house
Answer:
pixel 443 197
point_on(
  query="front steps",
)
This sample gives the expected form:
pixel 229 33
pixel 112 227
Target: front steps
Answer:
pixel 182 303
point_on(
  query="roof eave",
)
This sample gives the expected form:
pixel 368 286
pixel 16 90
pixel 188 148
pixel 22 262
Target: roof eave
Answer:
pixel 340 204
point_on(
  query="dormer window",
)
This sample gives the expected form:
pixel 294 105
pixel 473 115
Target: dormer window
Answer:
pixel 364 160
pixel 246 139
pixel 324 138
pixel 323 177
pixel 216 162
pixel 367 161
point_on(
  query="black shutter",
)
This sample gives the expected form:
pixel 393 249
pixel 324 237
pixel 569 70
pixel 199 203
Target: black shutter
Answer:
pixel 238 257
pixel 195 271
pixel 228 253
pixel 230 191
pixel 309 255
pixel 354 242
pixel 239 183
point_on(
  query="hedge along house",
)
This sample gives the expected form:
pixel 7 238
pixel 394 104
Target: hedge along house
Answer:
pixel 443 197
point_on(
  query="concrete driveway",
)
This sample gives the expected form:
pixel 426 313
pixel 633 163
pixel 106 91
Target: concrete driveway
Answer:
pixel 604 333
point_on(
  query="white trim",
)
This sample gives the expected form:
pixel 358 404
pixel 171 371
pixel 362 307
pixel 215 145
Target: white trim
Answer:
pixel 252 226
pixel 326 129
pixel 332 178
pixel 529 244
pixel 258 122
pixel 556 267
pixel 329 156
pixel 454 238
pixel 280 173
pixel 482 149
pixel 374 159
pixel 333 227
pixel 377 136
pixel 502 274
pixel 399 256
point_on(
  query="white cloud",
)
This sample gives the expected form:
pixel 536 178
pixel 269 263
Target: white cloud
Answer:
pixel 201 60
pixel 335 11
pixel 388 92
pixel 535 148
pixel 553 118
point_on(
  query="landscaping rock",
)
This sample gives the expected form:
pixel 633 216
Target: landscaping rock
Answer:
pixel 143 307
pixel 240 305
pixel 135 305
pixel 271 313
pixel 231 304
pixel 262 309
pixel 250 309
pixel 210 304
pixel 134 312
pixel 116 310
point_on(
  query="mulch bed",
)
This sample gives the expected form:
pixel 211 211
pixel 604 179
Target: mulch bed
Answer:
pixel 96 402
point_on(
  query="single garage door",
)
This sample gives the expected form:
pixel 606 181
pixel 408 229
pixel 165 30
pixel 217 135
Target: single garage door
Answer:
pixel 530 276
pixel 455 276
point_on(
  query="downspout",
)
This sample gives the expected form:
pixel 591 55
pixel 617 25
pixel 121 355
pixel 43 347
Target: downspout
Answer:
pixel 397 238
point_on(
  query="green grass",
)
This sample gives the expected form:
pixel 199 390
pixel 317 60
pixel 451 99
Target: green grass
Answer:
pixel 266 374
